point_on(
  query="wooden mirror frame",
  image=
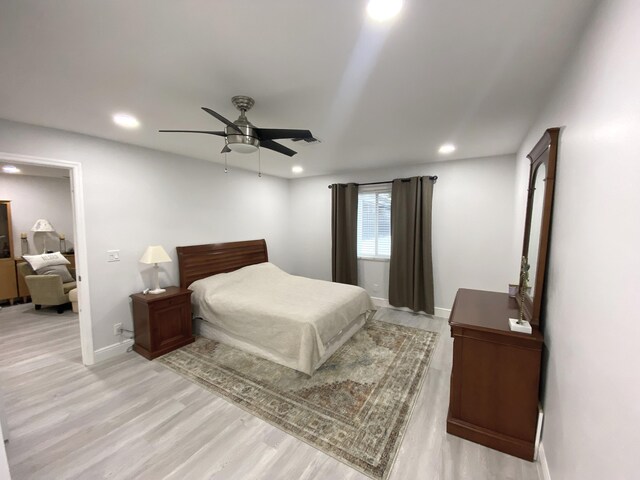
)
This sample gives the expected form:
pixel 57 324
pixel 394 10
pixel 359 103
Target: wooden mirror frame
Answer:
pixel 545 152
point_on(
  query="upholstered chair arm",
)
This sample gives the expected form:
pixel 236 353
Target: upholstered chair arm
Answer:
pixel 46 289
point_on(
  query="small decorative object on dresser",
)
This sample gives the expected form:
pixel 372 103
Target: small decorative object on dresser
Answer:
pixel 24 244
pixel 520 324
pixel 162 322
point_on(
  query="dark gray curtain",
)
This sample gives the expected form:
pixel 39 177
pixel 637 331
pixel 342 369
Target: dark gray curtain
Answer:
pixel 410 266
pixel 344 233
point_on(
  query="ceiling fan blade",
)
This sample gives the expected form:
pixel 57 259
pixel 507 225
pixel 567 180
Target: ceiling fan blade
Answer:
pixel 226 149
pixel 277 147
pixel 228 123
pixel 274 133
pixel 220 134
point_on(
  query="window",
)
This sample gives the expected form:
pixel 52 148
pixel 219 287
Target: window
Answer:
pixel 374 221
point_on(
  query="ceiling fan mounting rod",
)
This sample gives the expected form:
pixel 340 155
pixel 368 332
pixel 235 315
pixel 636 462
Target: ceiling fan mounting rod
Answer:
pixel 243 103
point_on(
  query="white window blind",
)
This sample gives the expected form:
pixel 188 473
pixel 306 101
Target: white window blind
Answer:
pixel 374 221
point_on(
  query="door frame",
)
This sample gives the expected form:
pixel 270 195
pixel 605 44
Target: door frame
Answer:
pixel 80 245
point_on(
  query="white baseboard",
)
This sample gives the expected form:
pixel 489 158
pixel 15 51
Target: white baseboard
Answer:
pixel 380 302
pixel 384 303
pixel 543 467
pixel 111 351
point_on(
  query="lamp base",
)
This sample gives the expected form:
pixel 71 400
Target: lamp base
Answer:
pixel 524 327
pixel 156 282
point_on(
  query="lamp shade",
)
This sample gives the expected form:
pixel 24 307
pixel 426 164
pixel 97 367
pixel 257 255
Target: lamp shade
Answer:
pixel 155 254
pixel 42 225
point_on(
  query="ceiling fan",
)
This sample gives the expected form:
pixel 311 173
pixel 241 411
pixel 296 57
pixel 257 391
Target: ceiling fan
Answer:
pixel 243 137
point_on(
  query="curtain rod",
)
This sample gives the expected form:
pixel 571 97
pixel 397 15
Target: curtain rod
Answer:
pixel 433 178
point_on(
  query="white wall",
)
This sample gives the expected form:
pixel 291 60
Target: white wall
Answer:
pixel 135 197
pixel 592 376
pixel 472 225
pixel 38 197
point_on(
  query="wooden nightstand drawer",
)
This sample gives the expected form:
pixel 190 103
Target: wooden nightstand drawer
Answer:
pixel 166 303
pixel 161 322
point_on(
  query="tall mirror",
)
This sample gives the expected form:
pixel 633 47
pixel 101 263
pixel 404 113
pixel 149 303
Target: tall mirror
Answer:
pixel 537 201
pixel 538 222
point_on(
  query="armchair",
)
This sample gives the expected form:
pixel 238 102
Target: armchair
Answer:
pixel 46 289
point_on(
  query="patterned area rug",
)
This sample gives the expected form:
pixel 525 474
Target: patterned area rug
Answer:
pixel 354 408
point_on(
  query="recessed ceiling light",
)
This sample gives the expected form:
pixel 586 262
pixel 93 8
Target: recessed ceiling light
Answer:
pixel 297 169
pixel 10 169
pixel 125 120
pixel 447 148
pixel 382 10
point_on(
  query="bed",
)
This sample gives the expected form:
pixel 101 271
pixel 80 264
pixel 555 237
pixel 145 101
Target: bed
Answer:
pixel 242 300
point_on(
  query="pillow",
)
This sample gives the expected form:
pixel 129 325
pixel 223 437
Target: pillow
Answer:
pixel 56 270
pixel 46 259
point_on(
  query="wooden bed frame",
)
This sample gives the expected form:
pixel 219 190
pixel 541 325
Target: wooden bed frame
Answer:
pixel 201 261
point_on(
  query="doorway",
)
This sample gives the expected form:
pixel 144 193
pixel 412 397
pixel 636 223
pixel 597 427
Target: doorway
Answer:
pixel 80 244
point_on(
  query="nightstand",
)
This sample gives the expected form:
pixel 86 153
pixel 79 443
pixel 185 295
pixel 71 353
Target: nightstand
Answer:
pixel 162 322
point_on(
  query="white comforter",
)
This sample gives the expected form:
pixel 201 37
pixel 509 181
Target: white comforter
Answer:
pixel 289 317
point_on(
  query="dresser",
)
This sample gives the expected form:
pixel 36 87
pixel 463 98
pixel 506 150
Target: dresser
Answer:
pixel 495 378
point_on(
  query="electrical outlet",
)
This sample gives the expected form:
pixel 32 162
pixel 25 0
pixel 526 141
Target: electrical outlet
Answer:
pixel 117 328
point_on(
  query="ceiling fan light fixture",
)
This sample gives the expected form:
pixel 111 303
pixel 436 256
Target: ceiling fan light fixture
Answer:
pixel 242 147
pixel 242 143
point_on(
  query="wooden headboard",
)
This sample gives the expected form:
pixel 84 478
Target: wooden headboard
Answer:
pixel 201 261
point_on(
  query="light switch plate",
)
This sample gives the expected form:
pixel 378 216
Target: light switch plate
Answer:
pixel 113 255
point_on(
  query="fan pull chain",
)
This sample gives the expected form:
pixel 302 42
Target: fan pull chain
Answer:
pixel 226 170
pixel 259 165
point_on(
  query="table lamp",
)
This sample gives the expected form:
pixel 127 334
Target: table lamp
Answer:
pixel 155 254
pixel 44 226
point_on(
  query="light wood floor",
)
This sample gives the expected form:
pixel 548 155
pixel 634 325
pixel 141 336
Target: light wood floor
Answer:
pixel 131 418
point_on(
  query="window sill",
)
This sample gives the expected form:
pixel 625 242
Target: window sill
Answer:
pixel 374 259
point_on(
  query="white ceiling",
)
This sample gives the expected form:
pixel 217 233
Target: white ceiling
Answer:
pixel 470 72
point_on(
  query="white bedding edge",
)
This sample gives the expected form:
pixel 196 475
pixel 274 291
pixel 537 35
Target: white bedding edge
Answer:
pixel 205 329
